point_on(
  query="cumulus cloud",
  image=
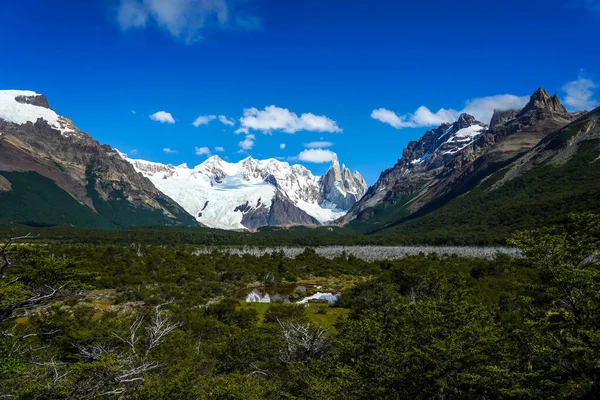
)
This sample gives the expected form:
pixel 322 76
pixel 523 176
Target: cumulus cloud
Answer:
pixel 167 150
pixel 248 143
pixel 203 120
pixel 481 108
pixel 202 151
pixel 163 117
pixel 317 156
pixel 579 94
pixel 185 19
pixel 318 145
pixel 282 146
pixel 207 119
pixel 226 121
pixel 219 149
pixel 274 118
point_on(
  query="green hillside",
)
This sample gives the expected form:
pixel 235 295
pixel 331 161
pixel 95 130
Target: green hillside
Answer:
pixel 37 201
pixel 542 196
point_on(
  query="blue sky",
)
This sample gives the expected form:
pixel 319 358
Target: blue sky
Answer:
pixel 364 76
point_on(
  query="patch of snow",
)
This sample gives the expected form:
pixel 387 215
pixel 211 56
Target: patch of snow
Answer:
pixel 420 160
pixel 467 133
pixel 324 212
pixel 330 297
pixel 463 138
pixel 447 131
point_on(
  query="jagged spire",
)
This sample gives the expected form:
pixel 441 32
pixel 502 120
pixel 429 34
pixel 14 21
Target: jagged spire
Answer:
pixel 541 100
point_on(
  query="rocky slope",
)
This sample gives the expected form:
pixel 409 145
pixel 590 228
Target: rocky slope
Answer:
pixel 538 188
pixel 254 193
pixel 37 142
pixel 448 160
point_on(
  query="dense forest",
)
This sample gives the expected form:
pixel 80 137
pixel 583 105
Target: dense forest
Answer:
pixel 148 321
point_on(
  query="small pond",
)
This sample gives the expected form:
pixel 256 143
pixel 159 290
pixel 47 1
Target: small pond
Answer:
pixel 300 294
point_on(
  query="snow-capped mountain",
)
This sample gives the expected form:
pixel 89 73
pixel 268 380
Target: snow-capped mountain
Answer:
pixel 445 159
pixel 55 174
pixel 254 193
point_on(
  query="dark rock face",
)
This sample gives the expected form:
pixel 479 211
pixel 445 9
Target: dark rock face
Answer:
pixel 282 212
pixel 39 100
pixel 502 117
pixel 78 164
pixel 429 168
pixel 255 218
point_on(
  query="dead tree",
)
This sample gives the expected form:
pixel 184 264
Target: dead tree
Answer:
pixel 302 342
pixel 8 252
pixel 10 256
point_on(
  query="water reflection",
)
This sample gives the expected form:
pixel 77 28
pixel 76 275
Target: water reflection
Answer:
pixel 288 294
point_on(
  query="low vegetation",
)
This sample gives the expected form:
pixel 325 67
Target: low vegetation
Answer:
pixel 155 322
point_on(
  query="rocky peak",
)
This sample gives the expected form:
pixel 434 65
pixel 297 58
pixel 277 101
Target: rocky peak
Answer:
pixel 35 100
pixel 334 173
pixel 541 100
pixel 465 121
pixel 339 186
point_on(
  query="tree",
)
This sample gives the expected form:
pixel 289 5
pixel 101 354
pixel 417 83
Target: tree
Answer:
pixel 565 330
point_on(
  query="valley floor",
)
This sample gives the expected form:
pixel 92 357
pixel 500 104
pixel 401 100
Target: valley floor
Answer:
pixel 370 253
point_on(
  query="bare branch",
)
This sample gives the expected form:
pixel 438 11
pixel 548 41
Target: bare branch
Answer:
pixel 161 326
pixel 133 336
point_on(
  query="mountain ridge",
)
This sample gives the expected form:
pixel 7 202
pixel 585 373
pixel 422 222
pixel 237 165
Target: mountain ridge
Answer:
pixel 254 193
pixel 439 164
pixel 34 138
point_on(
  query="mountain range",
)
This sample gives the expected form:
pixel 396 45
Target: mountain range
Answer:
pixel 463 182
pixel 471 183
pixel 255 193
pixel 52 173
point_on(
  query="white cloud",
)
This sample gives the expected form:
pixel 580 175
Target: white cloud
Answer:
pixel 391 118
pixel 207 119
pixel 133 112
pixel 167 150
pixel 282 146
pixel 318 145
pixel 203 120
pixel 184 19
pixel 219 149
pixel 316 156
pixel 226 121
pixel 247 143
pixel 202 151
pixel 133 152
pixel 274 118
pixel 163 117
pixel 579 94
pixel 481 108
